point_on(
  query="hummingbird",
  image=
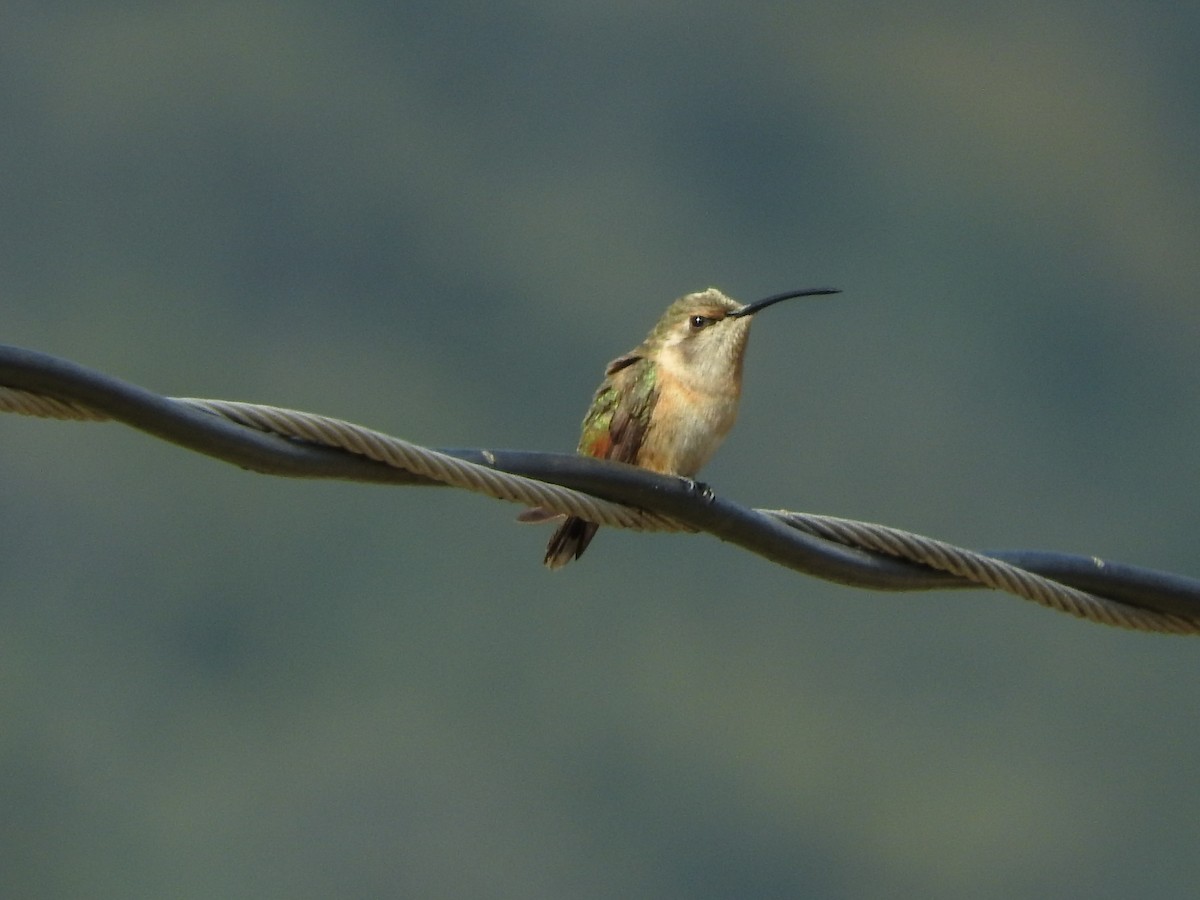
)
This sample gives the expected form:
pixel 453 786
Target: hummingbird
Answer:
pixel 667 404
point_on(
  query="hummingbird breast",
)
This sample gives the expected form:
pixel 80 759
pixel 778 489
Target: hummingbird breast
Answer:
pixel 688 423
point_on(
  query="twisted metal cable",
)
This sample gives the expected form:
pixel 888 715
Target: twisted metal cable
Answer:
pixel 52 388
pixel 375 445
pixel 986 571
pixel 25 403
pixel 440 467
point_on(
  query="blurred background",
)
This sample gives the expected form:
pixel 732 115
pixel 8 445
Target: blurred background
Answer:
pixel 442 221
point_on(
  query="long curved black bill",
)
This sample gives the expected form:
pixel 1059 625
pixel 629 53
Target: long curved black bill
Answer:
pixel 763 304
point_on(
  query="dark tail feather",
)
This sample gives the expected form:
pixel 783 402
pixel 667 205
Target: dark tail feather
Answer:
pixel 569 542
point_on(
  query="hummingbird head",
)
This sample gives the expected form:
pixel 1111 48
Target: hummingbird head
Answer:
pixel 704 334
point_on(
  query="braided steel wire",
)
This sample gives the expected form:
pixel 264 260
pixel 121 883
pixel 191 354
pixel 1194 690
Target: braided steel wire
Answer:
pixel 986 571
pixel 98 397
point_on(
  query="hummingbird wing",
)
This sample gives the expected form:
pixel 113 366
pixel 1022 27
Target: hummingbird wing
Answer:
pixel 613 429
pixel 616 424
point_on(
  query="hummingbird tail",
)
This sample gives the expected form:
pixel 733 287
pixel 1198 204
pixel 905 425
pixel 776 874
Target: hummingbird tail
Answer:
pixel 569 542
pixel 536 515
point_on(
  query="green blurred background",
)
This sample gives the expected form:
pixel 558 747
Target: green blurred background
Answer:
pixel 441 221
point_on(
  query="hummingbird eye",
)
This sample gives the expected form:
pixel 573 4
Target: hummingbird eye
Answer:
pixel 698 322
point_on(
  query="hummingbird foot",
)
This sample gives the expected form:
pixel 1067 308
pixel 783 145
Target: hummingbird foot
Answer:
pixel 699 489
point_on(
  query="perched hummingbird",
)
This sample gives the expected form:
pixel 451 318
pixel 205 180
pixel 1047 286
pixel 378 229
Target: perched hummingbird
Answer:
pixel 667 404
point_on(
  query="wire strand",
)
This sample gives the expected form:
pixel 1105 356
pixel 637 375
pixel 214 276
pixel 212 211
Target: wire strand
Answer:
pixel 986 571
pixel 440 467
pixel 839 549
